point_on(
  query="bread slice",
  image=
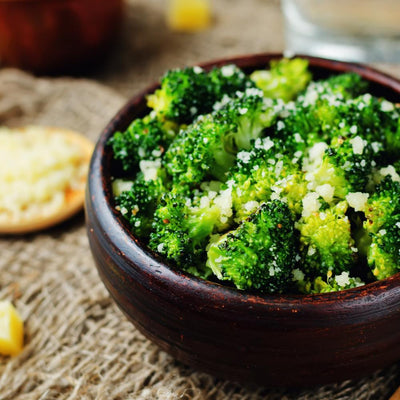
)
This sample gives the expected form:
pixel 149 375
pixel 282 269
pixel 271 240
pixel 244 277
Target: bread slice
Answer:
pixel 43 171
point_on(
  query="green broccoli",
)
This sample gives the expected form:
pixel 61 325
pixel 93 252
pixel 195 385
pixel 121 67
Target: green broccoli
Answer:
pixel 184 94
pixel 268 182
pixel 337 87
pixel 382 204
pixel 169 236
pixel 284 80
pixel 229 79
pixel 382 212
pixel 325 236
pixel 145 139
pixel 260 253
pixel 384 251
pixel 187 93
pixel 331 283
pixel 346 165
pixel 322 112
pixel 245 119
pixel 198 152
pixel 184 221
pixel 207 148
pixel 137 202
pixel 258 174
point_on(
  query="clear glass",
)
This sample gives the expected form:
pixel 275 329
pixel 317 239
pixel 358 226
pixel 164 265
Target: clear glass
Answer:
pixel 349 30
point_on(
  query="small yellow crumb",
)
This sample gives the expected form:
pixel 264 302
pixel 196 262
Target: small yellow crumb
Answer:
pixel 189 15
pixel 11 330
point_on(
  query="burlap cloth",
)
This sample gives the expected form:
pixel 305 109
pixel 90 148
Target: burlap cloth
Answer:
pixel 78 344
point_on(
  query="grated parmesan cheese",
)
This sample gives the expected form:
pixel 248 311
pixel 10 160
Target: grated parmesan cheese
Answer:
pixel 298 275
pixel 150 169
pixel 358 144
pixel 357 200
pixel 311 204
pixel 37 166
pixel 326 191
pixel 389 170
pixel 343 279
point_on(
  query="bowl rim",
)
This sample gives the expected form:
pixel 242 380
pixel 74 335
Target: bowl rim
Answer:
pixel 153 267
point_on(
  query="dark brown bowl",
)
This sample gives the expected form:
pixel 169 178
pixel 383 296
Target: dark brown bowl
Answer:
pixel 54 36
pixel 275 340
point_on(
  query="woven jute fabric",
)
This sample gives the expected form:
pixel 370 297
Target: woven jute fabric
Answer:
pixel 78 345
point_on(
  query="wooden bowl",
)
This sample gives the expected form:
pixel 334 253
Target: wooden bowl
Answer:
pixel 274 340
pixel 54 36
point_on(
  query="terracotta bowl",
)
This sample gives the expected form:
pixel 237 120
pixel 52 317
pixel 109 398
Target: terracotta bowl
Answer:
pixel 54 36
pixel 274 340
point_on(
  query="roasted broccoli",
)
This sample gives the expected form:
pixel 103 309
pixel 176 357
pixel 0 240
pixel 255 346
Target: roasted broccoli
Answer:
pixel 269 182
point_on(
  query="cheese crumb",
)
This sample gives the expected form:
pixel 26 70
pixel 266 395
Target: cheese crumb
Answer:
pixel 311 204
pixel 298 275
pixel 357 200
pixel 387 106
pixel 389 170
pixel 358 144
pixel 250 206
pixel 150 169
pixel 343 279
pixel 326 191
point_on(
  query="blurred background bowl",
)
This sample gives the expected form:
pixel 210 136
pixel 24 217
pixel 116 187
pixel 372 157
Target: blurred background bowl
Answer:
pixel 274 340
pixel 56 36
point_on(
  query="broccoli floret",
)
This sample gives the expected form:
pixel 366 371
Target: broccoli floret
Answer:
pixel 374 119
pixel 258 173
pixel 384 251
pixel 331 283
pixel 326 241
pixel 184 220
pixel 346 165
pixel 284 80
pixel 354 156
pixel 382 212
pixel 245 118
pixel 323 111
pixel 190 92
pixel 338 87
pixel 145 139
pixel 208 147
pixel 137 202
pixel 184 94
pixel 198 152
pixel 229 79
pixel 170 236
pixel 260 253
pixel 382 204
